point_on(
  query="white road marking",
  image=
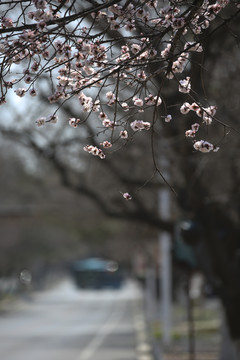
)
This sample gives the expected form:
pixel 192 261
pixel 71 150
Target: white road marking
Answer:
pixel 101 335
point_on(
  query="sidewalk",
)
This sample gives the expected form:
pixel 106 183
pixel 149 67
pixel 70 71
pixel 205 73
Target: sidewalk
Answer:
pixel 144 346
pixel 207 337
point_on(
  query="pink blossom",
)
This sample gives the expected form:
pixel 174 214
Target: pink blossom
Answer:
pixel 168 118
pixel 190 133
pixel 41 25
pixel 179 65
pixel 110 95
pixel 207 119
pixel 185 108
pixel 149 100
pixel 52 119
pixel 135 48
pixel 20 92
pixel 144 56
pixel 102 115
pixel 96 106
pixel 203 146
pixel 73 122
pixel 123 57
pixel 28 79
pixel 87 47
pixel 124 49
pixel 158 100
pixel 32 92
pixel 139 125
pixel 101 155
pixel 166 51
pixel 127 196
pixel 88 70
pixel 35 66
pixel 195 127
pixel 108 123
pixel 199 112
pixel 178 22
pixel 40 4
pixel 106 144
pixel 130 25
pixel 41 121
pixel 94 150
pixel 142 75
pixel 7 22
pixel 137 101
pixel 153 100
pixel 125 106
pixel 208 113
pixel 185 85
pixel 194 106
pixel 124 134
pixel 169 75
pixel 211 110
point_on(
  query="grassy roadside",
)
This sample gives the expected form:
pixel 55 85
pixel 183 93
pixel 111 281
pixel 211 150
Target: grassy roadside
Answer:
pixel 207 337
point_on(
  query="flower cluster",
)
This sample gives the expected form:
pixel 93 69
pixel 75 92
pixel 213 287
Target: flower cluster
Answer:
pixel 81 57
pixel 192 131
pixel 180 64
pixel 148 100
pixel 94 150
pixel 106 144
pixel 49 119
pixel 106 122
pixel 206 114
pixel 139 125
pixel 153 100
pixel 205 146
pixel 41 38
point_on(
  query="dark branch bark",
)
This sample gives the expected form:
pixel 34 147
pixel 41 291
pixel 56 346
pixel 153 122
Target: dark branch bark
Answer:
pixel 135 212
pixel 61 21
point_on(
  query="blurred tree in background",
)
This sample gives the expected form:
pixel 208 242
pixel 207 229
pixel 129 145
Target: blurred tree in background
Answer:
pixel 66 183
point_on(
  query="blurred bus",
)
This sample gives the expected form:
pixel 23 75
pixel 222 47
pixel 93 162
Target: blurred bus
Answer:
pixel 96 273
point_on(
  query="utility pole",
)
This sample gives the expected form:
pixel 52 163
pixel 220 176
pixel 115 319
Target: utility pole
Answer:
pixel 165 266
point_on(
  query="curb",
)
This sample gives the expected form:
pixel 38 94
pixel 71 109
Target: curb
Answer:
pixel 144 348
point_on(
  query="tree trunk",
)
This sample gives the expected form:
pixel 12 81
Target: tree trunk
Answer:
pixel 226 350
pixel 230 349
pixel 236 349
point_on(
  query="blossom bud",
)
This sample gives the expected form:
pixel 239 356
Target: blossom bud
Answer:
pixel 127 196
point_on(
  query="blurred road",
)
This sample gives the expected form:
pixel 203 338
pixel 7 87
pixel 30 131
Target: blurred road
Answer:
pixel 69 324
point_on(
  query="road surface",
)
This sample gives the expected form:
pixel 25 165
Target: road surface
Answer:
pixel 69 324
